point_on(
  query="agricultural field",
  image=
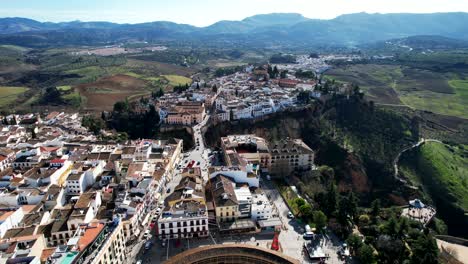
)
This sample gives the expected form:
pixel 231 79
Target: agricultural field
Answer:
pixel 8 95
pixel 175 80
pixel 441 93
pixel 103 93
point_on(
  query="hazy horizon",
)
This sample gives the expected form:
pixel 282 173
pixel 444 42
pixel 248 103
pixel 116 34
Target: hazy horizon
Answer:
pixel 206 12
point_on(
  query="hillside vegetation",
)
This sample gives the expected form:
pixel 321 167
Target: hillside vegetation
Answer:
pixel 442 171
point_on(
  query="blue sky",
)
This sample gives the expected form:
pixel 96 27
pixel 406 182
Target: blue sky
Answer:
pixel 206 12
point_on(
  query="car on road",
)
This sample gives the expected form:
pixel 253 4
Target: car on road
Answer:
pixel 168 190
pixel 148 245
pixel 198 163
pixel 290 215
pixel 147 233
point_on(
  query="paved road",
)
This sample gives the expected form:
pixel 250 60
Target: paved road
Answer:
pixel 291 235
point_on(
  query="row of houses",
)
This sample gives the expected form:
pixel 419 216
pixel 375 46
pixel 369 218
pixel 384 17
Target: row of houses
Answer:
pixel 67 198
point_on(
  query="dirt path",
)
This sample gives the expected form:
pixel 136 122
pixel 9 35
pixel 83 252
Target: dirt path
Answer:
pixel 460 252
pixel 395 161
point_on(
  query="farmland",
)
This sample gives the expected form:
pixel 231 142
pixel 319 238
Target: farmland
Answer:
pixel 103 93
pixel 8 95
pixel 175 80
pixel 443 93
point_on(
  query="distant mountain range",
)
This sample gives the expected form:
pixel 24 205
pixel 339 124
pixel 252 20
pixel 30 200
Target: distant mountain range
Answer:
pixel 269 29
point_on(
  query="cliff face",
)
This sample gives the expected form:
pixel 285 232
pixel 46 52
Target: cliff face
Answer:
pixel 357 140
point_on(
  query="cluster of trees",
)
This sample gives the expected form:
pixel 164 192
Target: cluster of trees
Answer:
pixel 309 215
pixel 305 74
pixel 94 124
pixel 157 94
pixel 227 71
pixel 51 95
pixel 10 122
pixel 384 238
pixel 136 124
pixel 282 58
pixel 273 72
pixel 181 88
pixel 395 239
pixel 304 97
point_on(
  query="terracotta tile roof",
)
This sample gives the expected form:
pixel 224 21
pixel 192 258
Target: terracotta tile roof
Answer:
pixel 46 253
pixel 91 233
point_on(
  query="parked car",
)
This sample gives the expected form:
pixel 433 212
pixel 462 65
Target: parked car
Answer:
pixel 148 245
pixel 139 261
pixel 147 233
pixel 290 215
pixel 163 243
pixel 168 190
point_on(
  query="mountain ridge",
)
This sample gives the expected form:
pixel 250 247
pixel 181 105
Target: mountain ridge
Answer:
pixel 287 28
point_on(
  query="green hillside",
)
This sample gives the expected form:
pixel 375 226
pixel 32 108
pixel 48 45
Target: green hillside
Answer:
pixel 442 172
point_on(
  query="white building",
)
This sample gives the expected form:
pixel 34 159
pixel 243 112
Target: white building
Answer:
pixel 244 198
pixel 10 219
pixel 184 220
pixel 261 207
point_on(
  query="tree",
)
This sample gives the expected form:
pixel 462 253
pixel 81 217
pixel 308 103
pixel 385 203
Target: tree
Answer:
pixel 320 219
pixel 93 124
pixel 352 204
pixel 403 227
pixel 375 208
pixel 283 74
pixel 425 250
pixel 159 93
pixel 306 211
pixel 391 228
pixel 366 254
pixel 330 199
pixel 270 72
pixel 13 121
pixel 275 72
pixel 299 202
pixel 120 107
pixel 304 97
pixel 354 243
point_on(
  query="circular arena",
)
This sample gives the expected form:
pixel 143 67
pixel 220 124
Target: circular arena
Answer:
pixel 230 254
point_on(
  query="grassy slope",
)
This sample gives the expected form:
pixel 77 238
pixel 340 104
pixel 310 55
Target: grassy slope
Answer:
pixel 442 170
pixel 9 94
pixel 175 80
